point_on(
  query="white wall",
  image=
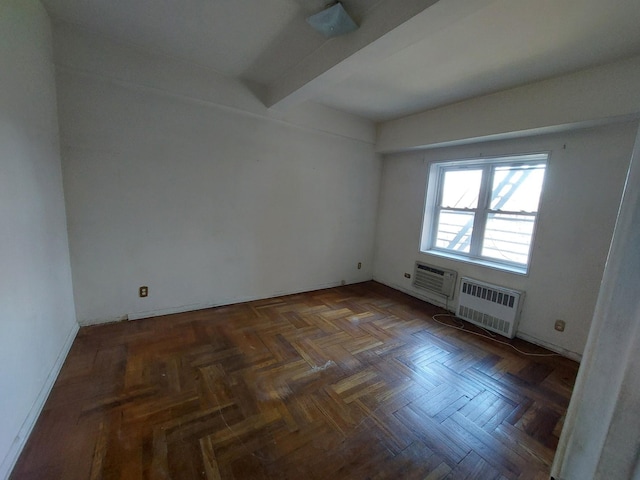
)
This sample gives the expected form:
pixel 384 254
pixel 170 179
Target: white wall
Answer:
pixel 179 179
pixel 585 98
pixel 37 320
pixel 582 192
pixel 600 436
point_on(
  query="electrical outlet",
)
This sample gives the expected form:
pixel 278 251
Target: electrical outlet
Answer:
pixel 407 275
pixel 559 325
pixel 359 265
pixel 143 291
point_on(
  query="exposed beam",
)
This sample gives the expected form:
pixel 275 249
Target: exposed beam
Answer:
pixel 589 97
pixel 388 28
pixel 299 83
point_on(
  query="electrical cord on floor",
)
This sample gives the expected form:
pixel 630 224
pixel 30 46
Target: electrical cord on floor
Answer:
pixel 488 337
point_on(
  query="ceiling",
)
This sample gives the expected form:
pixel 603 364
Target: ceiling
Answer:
pixel 407 55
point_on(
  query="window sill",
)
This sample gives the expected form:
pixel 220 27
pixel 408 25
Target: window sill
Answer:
pixel 478 261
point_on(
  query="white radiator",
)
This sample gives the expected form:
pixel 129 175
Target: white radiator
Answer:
pixel 434 279
pixel 490 306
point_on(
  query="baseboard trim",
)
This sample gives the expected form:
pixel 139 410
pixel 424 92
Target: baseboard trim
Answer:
pixel 19 442
pixel 419 296
pixel 231 301
pixel 550 346
pixel 524 336
pixel 221 303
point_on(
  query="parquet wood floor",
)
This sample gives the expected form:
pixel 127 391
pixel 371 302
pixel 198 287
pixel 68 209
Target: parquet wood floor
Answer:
pixel 354 382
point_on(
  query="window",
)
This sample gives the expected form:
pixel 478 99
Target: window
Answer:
pixel 484 210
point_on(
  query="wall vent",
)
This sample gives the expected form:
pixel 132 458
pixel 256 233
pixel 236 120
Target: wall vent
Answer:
pixel 490 306
pixel 434 279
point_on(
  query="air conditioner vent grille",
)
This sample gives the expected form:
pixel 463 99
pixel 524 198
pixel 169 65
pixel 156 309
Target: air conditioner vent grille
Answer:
pixel 427 268
pixel 434 279
pixel 429 283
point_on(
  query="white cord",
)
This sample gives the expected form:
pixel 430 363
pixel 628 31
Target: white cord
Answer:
pixel 489 337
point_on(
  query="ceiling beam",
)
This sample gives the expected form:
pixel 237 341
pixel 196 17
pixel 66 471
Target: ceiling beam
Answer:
pixel 388 28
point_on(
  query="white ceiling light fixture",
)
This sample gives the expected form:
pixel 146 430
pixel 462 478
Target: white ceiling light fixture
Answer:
pixel 332 21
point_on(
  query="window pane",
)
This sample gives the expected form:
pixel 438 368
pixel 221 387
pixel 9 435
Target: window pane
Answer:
pixel 508 237
pixel 517 189
pixel 460 188
pixel 454 231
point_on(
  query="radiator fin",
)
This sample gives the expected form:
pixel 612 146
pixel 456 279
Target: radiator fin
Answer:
pixel 488 294
pixel 490 306
pixel 486 320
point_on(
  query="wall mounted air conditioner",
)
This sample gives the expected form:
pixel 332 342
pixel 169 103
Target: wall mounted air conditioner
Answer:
pixel 434 279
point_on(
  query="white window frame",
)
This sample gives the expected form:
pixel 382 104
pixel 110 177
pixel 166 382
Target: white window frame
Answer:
pixel 432 209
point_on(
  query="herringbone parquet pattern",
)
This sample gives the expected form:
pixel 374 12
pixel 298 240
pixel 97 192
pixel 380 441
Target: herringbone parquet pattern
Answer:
pixel 353 382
